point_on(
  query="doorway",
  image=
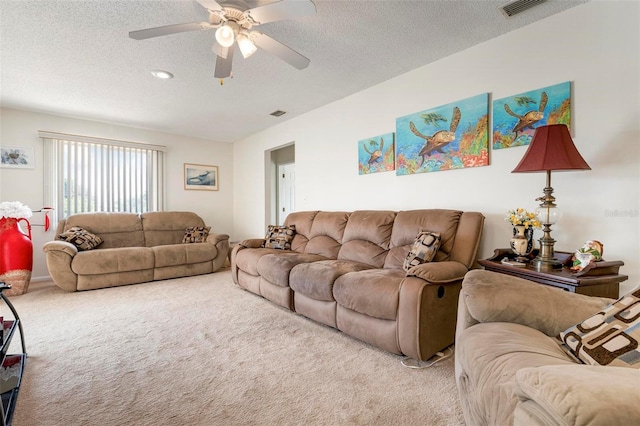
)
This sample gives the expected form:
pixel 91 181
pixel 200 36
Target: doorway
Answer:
pixel 286 190
pixel 279 183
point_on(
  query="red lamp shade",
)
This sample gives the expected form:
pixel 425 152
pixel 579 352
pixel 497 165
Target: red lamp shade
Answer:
pixel 551 149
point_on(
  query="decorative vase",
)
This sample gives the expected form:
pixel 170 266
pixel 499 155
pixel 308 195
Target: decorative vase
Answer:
pixel 522 242
pixel 16 255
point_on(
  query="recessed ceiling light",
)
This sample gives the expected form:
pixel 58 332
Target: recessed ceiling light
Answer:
pixel 278 113
pixel 162 75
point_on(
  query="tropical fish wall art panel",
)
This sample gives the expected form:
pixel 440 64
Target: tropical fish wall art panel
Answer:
pixel 516 117
pixel 376 154
pixel 452 136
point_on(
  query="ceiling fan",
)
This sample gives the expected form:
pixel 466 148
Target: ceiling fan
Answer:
pixel 234 23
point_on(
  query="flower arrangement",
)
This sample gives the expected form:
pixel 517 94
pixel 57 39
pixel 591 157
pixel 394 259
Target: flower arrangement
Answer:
pixel 15 209
pixel 522 217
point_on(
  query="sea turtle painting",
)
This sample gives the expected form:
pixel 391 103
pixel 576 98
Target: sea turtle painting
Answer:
pixel 376 154
pixel 528 119
pixel 440 139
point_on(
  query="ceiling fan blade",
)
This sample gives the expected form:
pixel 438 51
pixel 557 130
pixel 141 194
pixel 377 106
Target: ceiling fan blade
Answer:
pixel 220 51
pixel 210 4
pixel 223 65
pixel 282 10
pixel 169 29
pixel 278 49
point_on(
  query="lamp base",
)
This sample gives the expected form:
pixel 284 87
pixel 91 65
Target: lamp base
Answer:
pixel 545 265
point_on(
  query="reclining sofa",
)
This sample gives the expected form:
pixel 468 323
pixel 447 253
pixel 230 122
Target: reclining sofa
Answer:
pixel 135 248
pixel 346 270
pixel 511 368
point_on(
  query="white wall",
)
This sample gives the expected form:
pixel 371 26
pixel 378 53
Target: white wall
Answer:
pixel 25 185
pixel 596 46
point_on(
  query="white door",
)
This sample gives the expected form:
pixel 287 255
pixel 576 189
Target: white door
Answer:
pixel 286 190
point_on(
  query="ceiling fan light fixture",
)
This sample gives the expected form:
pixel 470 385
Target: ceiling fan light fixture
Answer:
pixel 247 48
pixel 233 21
pixel 225 35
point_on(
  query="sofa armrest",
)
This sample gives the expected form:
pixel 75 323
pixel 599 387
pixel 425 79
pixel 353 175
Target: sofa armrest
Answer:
pixel 63 246
pixel 439 272
pixel 578 395
pixel 59 255
pixel 221 241
pixel 252 243
pixel 248 243
pixel 492 297
pixel 216 238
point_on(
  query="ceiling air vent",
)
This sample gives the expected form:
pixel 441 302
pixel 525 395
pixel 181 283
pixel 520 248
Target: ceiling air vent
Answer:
pixel 519 6
pixel 278 113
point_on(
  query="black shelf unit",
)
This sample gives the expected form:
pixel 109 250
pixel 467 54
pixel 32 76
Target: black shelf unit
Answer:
pixel 10 326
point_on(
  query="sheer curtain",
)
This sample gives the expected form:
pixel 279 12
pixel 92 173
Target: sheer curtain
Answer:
pixel 85 174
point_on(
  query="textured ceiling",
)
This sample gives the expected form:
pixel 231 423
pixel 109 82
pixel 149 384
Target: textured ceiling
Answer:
pixel 75 58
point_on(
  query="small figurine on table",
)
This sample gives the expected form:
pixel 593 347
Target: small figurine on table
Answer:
pixel 590 252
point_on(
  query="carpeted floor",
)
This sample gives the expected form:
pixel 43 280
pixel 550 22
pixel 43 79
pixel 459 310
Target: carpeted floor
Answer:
pixel 202 351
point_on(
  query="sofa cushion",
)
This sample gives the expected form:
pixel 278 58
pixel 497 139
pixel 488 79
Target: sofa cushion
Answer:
pixel 183 254
pixel 611 336
pixel 558 311
pixel 81 238
pixel 315 280
pixel 108 261
pixel 247 260
pixel 279 237
pixel 409 223
pixel 326 234
pixel 373 292
pixel 366 237
pixel 115 229
pixel 164 228
pixel 424 249
pixel 195 234
pixel 275 268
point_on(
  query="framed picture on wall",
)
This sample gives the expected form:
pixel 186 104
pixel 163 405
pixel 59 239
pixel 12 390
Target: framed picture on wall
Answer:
pixel 376 154
pixel 17 157
pixel 447 137
pixel 200 177
pixel 516 117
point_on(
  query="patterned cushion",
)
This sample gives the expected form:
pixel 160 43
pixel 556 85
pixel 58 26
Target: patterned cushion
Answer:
pixel 196 234
pixel 609 337
pixel 424 249
pixel 279 237
pixel 81 238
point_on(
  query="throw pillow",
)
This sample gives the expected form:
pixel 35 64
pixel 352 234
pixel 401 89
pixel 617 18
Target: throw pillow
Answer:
pixel 279 237
pixel 196 234
pixel 81 238
pixel 609 337
pixel 424 249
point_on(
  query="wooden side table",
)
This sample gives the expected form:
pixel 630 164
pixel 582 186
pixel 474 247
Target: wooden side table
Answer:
pixel 602 279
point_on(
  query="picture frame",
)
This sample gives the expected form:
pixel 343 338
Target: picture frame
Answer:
pixel 447 137
pixel 516 117
pixel 376 154
pixel 17 157
pixel 200 177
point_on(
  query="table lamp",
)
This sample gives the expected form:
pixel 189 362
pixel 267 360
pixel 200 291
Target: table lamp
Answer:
pixel 550 149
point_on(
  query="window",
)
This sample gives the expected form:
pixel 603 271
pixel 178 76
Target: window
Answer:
pixel 85 174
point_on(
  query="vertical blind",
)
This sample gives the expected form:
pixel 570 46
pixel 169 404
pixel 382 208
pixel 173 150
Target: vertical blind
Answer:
pixel 85 174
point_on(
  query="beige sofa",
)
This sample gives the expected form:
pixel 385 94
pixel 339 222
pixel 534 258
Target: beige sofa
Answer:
pixel 345 270
pixel 510 368
pixel 136 248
